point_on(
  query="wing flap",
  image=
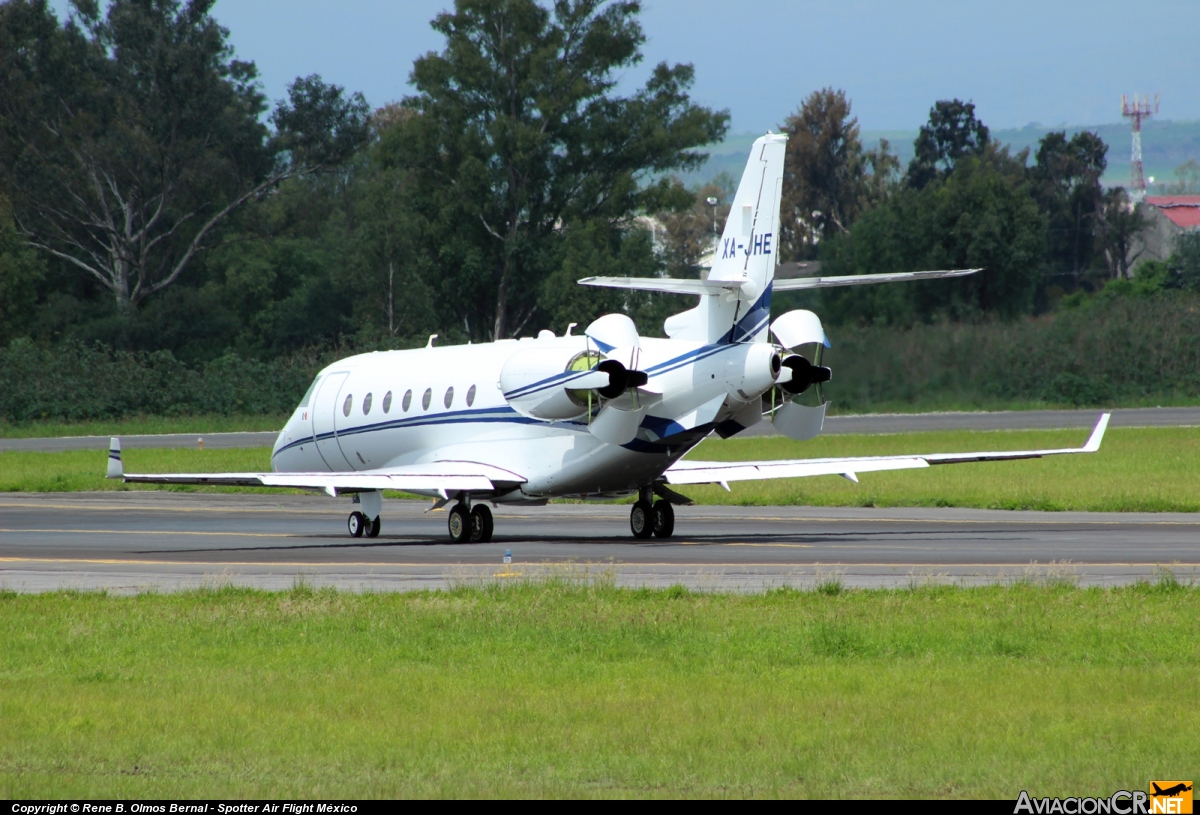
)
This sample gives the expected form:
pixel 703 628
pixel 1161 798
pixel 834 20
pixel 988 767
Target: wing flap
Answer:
pixel 449 476
pixel 717 472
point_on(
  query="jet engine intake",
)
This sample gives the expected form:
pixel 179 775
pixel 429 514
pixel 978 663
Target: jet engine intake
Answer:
pixel 752 373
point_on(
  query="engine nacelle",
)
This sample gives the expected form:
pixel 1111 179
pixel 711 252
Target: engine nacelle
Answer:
pixel 750 374
pixel 535 382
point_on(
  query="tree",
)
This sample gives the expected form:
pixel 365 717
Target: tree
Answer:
pixel 952 132
pixel 130 139
pixel 823 172
pixel 517 138
pixel 1120 222
pixel 1187 177
pixel 20 271
pixel 690 235
pixel 1066 182
pixel 981 215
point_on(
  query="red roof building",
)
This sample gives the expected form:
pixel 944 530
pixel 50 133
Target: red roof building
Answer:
pixel 1181 210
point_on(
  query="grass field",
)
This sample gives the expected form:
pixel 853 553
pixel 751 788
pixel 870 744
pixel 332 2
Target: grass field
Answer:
pixel 581 691
pixel 1137 469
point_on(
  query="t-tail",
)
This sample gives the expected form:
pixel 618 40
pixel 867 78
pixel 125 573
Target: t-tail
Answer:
pixel 748 248
pixel 735 299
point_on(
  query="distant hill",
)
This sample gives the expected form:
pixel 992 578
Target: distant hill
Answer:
pixel 1165 145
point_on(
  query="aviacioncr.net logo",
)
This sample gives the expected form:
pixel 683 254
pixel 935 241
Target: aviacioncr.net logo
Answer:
pixel 1121 802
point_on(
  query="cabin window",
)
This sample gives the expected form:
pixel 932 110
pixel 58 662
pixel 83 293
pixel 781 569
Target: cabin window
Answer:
pixel 470 396
pixel 366 404
pixel 427 398
pixel 308 394
pixel 407 403
pixel 449 396
pixel 347 405
pixel 387 402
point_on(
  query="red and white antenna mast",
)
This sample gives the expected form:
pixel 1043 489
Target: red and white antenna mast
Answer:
pixel 1140 109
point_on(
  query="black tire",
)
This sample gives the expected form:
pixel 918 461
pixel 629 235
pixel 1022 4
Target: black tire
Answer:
pixel 481 524
pixel 664 519
pixel 372 530
pixel 356 523
pixel 641 520
pixel 459 524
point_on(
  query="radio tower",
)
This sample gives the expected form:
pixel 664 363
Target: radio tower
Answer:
pixel 1140 109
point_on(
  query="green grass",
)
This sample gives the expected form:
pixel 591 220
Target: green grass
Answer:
pixel 579 691
pixel 1137 469
pixel 138 425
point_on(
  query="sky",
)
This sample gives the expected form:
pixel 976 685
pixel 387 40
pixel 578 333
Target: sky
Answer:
pixel 1020 61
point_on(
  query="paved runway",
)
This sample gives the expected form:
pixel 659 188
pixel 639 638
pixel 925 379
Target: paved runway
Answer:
pixel 161 541
pixel 874 423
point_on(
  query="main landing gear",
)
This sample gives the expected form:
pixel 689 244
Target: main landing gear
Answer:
pixel 651 518
pixel 360 525
pixel 467 523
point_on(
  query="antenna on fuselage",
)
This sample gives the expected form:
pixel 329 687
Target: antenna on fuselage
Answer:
pixel 572 325
pixel 432 337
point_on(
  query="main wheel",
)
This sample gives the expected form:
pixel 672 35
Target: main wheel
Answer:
pixel 641 520
pixel 481 524
pixel 356 523
pixel 664 519
pixel 372 527
pixel 459 524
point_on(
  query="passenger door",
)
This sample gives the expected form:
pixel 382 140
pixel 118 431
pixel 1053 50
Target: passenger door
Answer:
pixel 324 404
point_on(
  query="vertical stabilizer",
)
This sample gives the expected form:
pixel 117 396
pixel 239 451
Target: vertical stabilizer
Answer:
pixel 745 253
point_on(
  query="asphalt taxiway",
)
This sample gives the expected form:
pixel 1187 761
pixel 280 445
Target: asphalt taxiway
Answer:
pixel 137 541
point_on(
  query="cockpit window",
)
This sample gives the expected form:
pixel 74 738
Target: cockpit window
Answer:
pixel 308 394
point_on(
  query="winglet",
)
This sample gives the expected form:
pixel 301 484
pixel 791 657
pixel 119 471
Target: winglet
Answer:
pixel 115 468
pixel 1093 442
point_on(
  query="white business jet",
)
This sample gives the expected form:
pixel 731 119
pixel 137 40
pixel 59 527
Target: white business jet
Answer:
pixel 601 414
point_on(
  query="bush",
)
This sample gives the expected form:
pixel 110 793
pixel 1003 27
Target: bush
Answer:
pixel 1105 351
pixel 77 382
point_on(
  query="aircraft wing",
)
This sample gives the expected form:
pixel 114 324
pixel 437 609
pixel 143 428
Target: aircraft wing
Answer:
pixel 798 283
pixel 721 472
pixel 447 476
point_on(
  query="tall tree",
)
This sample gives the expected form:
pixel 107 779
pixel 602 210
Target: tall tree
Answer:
pixel 129 138
pixel 952 132
pixel 823 172
pixel 1066 182
pixel 518 138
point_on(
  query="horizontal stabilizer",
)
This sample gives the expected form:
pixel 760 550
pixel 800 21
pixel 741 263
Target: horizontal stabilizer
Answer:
pixel 799 283
pixel 720 472
pixel 663 284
